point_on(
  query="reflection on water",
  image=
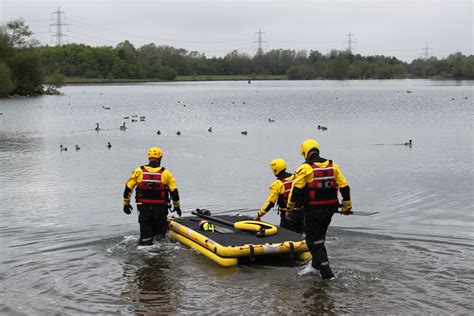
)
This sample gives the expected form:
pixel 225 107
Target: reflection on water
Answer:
pixel 62 228
pixel 151 287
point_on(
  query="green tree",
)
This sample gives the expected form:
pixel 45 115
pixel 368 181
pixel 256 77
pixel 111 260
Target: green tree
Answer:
pixel 167 73
pixel 301 72
pixel 6 83
pixel 26 72
pixel 20 71
pixel 20 34
pixel 340 68
pixel 130 68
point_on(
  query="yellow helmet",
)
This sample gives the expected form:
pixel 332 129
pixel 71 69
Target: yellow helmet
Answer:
pixel 307 145
pixel 155 152
pixel 277 166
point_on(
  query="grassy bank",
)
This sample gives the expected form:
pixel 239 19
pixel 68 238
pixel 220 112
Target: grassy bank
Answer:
pixel 79 80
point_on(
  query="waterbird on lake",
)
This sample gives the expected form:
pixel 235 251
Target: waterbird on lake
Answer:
pixel 408 91
pixel 134 120
pixel 142 119
pixel 122 128
pixel 97 128
pixel 126 117
pixel 322 127
pixel 409 143
pixel 105 107
pixel 134 115
pixel 109 145
pixel 178 133
pixel 159 133
pixel 270 120
pixel 77 147
pixel 210 130
pixel 61 148
pixel 243 133
pixel 465 98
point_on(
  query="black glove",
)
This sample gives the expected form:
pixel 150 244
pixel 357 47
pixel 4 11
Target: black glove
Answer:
pixel 127 209
pixel 177 210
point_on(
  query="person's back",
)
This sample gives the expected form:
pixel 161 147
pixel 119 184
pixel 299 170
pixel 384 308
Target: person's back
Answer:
pixel 153 186
pixel 317 183
pixel 279 192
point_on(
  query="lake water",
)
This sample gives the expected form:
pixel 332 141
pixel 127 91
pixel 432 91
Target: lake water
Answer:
pixel 67 247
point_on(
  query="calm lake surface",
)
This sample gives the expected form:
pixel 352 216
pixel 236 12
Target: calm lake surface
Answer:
pixel 66 247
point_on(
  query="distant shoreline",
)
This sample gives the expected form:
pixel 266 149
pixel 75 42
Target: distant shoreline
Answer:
pixel 75 80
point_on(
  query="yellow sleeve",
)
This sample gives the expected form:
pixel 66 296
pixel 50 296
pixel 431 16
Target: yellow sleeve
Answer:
pixel 137 176
pixel 168 179
pixel 303 175
pixel 340 179
pixel 276 189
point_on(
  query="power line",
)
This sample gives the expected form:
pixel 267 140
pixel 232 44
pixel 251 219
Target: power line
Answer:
pixel 59 27
pixel 119 33
pixel 86 40
pixel 301 42
pixel 94 37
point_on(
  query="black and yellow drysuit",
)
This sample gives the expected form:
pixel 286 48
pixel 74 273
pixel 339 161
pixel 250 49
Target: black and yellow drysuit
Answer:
pixel 279 191
pixel 154 186
pixel 316 186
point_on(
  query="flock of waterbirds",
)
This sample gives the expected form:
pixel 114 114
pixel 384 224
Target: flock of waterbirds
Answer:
pixel 136 118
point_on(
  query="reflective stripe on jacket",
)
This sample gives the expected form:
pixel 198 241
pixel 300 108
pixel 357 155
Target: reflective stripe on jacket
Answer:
pixel 323 189
pixel 283 198
pixel 151 190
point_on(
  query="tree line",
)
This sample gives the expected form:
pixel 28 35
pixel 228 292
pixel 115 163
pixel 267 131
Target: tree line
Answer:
pixel 23 63
pixel 166 63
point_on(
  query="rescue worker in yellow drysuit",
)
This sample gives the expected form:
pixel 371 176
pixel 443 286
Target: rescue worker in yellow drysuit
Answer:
pixel 316 185
pixel 154 186
pixel 279 191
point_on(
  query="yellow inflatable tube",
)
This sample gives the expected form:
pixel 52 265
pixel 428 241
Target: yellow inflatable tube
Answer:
pixel 225 262
pixel 238 251
pixel 257 226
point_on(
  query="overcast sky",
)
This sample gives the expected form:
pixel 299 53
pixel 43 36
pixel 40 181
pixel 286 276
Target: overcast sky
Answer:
pixel 215 27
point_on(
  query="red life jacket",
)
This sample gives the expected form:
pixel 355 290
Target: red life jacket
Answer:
pixel 151 190
pixel 323 189
pixel 283 198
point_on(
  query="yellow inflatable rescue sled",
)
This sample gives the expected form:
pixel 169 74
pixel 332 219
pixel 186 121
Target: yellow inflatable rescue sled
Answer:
pixel 228 239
